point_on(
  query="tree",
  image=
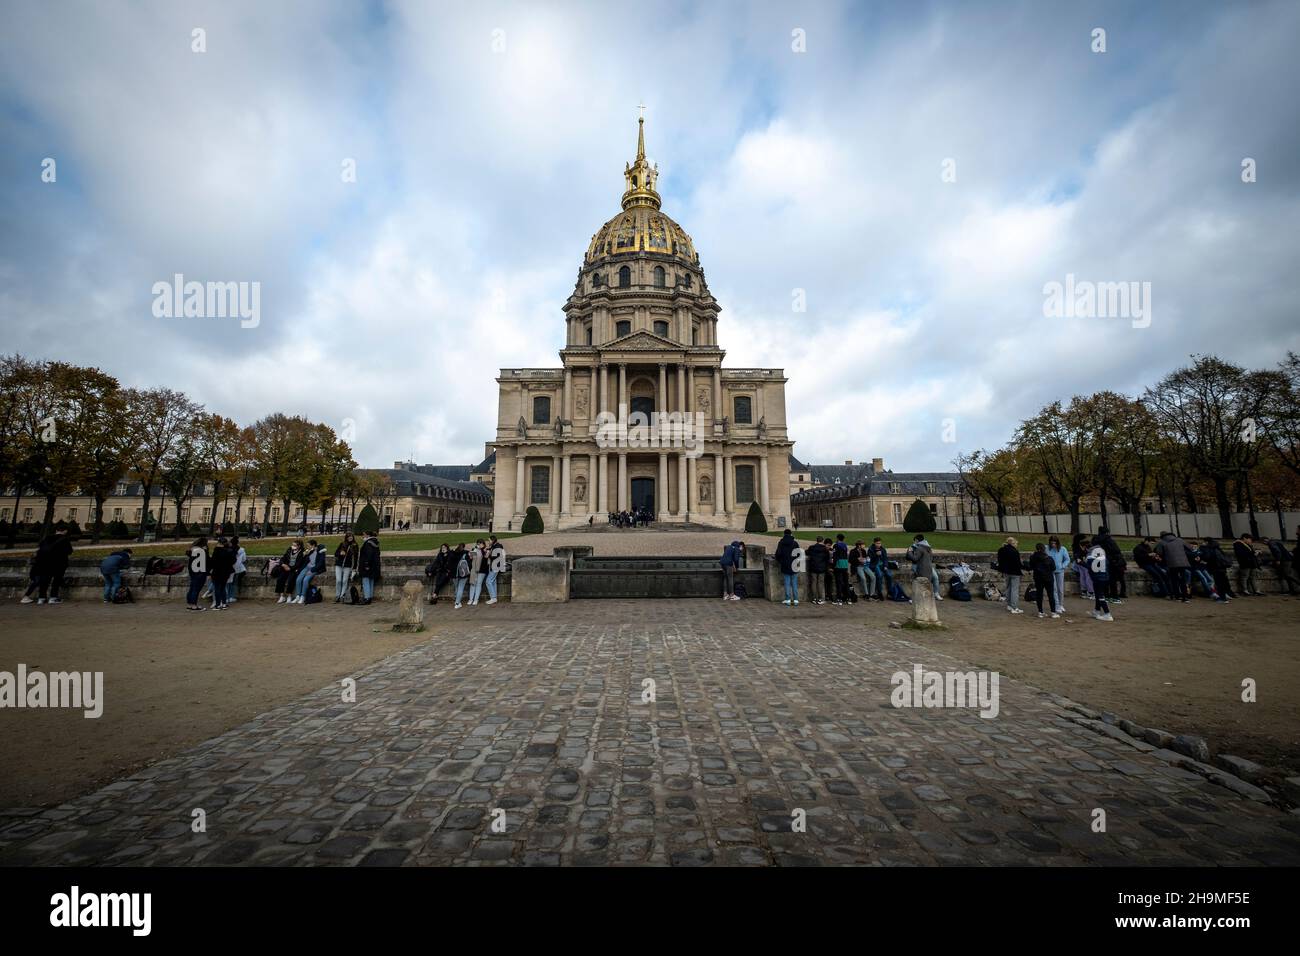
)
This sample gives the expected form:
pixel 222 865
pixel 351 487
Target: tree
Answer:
pixel 275 443
pixel 1214 410
pixel 16 374
pixel 1128 446
pixel 218 445
pixel 993 476
pixel 162 417
pixel 1060 445
pixel 532 523
pixel 368 520
pixel 755 523
pixel 918 519
pixel 1281 417
pixel 110 446
pixel 181 470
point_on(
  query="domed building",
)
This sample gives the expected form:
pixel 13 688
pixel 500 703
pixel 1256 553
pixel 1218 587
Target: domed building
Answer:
pixel 641 413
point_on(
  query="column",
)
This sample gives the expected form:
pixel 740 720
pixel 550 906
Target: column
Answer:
pixel 692 487
pixel 719 486
pixel 622 387
pixel 681 485
pixel 520 478
pixel 661 400
pixel 661 492
pixel 717 392
pixel 568 394
pixel 604 388
pixel 566 484
pixel 622 481
pixel 603 483
pixel 763 501
pixel 555 485
pixel 681 388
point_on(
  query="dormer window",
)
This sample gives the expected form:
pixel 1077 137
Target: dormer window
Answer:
pixel 624 278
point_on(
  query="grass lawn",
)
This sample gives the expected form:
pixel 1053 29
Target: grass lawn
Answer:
pixel 389 541
pixel 939 540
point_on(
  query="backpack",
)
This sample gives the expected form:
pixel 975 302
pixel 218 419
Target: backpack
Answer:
pixel 896 593
pixel 992 593
pixel 318 562
pixel 354 596
pixel 123 595
pixel 313 595
pixel 740 591
pixel 958 591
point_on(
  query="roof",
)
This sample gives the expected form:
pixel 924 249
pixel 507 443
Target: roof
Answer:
pixel 419 483
pixel 797 465
pixel 840 474
pixel 485 466
pixel 908 482
pixel 448 472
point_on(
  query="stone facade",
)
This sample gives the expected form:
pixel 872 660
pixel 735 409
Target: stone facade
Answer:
pixel 641 338
pixel 878 500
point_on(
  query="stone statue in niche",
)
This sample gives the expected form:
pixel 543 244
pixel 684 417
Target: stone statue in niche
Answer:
pixel 580 403
pixel 762 427
pixel 580 489
pixel 706 489
pixel 702 400
pixel 523 427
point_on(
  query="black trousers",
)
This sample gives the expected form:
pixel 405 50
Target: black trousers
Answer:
pixel 842 585
pixel 1045 589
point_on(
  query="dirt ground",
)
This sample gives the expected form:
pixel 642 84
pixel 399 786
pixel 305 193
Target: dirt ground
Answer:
pixel 172 679
pixel 1178 667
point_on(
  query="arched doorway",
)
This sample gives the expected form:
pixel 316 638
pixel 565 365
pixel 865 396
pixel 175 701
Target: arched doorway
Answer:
pixel 643 494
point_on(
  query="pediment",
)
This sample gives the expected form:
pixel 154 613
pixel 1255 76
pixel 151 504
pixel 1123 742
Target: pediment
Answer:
pixel 642 341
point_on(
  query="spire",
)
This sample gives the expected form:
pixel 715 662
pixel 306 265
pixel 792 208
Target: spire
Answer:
pixel 640 177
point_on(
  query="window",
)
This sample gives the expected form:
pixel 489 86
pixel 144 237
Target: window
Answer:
pixel 661 328
pixel 589 335
pixel 898 513
pixel 660 278
pixel 540 491
pixel 695 335
pixel 72 514
pixel 542 410
pixel 275 513
pixel 744 484
pixel 624 277
pixel 622 328
pixel 934 509
pixel 895 488
pixel 120 489
pixel 929 487
pixel 137 515
pixel 744 410
pixel 207 513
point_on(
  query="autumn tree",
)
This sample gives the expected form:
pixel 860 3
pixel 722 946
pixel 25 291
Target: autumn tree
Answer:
pixel 161 416
pixel 1059 443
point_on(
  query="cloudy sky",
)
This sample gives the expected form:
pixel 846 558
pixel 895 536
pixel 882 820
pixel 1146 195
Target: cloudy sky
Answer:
pixel 489 141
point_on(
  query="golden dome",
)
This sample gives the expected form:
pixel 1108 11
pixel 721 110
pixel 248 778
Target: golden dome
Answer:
pixel 641 227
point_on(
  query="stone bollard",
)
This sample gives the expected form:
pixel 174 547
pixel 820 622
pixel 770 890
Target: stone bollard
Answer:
pixel 925 611
pixel 410 615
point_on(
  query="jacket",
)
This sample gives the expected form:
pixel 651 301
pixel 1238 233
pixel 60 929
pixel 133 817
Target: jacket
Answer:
pixel 1009 561
pixel 1114 556
pixel 1060 557
pixel 368 564
pixel 345 555
pixel 1142 554
pixel 1214 557
pixel 877 556
pixel 223 561
pixel 922 557
pixel 819 559
pixel 115 563
pixel 1173 551
pixel 1043 567
pixel 1279 551
pixel 785 549
pixel 1245 555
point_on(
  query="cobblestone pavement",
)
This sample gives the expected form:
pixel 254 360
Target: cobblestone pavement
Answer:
pixel 538 712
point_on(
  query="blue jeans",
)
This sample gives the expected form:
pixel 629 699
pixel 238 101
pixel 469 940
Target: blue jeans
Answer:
pixel 1058 579
pixel 197 580
pixel 304 581
pixel 867 578
pixel 492 585
pixel 1159 580
pixel 112 581
pixel 1013 590
pixel 884 581
pixel 791 582
pixel 475 588
pixel 367 588
pixel 232 587
pixel 460 588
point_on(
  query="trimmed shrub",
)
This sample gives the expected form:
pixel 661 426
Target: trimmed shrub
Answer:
pixel 117 529
pixel 918 519
pixel 367 520
pixel 532 523
pixel 755 523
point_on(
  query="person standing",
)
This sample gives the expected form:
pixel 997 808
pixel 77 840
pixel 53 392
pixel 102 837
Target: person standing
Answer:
pixel 787 552
pixel 1097 567
pixel 1080 553
pixel 496 553
pixel 1115 566
pixel 1061 560
pixel 840 560
pixel 345 565
pixel 1243 550
pixel 237 572
pixel 461 559
pixel 1171 551
pixel 1043 569
pixel 199 561
pixel 369 565
pixel 1284 562
pixel 729 561
pixel 111 569
pixel 1009 565
pixel 223 565
pixel 860 565
pixel 818 561
pixel 922 557
pixel 478 566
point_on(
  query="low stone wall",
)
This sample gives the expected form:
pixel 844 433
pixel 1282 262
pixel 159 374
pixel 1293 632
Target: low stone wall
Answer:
pixel 683 583
pixel 540 580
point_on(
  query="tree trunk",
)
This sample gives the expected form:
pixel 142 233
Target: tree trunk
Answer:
pixel 212 525
pixel 266 513
pixel 13 523
pixel 1073 505
pixel 1042 507
pixel 1101 508
pixel 284 523
pixel 1250 505
pixel 47 523
pixel 98 529
pixel 144 509
pixel 1225 506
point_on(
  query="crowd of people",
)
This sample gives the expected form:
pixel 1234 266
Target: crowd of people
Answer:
pixel 635 518
pixel 470 568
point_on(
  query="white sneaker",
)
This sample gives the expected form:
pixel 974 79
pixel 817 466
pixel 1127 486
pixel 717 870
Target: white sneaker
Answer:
pixel 40 600
pixel 1016 610
pixel 938 597
pixel 55 601
pixel 1040 615
pixel 1094 613
pixel 492 600
pixel 458 607
pixel 281 601
pixel 26 600
pixel 786 602
pixel 1106 617
pixel 796 604
pixel 1055 615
